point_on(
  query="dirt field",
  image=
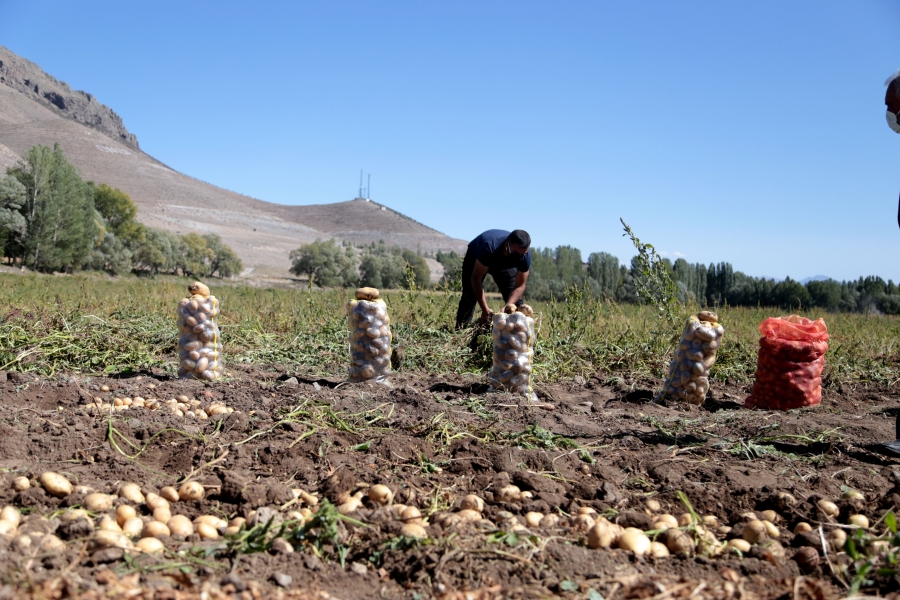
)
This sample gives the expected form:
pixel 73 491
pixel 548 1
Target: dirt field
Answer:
pixel 433 440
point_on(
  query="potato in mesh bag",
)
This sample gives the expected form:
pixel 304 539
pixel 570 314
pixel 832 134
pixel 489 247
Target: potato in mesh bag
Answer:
pixel 199 344
pixel 688 376
pixel 513 336
pixel 370 336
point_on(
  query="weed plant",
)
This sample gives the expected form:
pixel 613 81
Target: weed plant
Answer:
pixel 90 324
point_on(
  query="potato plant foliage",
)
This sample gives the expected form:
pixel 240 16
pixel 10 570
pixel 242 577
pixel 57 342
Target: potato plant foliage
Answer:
pixel 88 323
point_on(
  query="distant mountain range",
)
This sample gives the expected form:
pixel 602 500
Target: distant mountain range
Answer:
pixel 815 278
pixel 36 108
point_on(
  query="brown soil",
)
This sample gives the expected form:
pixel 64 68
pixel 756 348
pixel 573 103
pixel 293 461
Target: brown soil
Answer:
pixel 640 449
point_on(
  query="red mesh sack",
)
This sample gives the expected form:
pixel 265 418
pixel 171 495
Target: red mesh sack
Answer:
pixel 789 367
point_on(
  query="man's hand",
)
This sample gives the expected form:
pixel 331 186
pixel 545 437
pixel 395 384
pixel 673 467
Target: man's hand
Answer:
pixel 510 308
pixel 486 316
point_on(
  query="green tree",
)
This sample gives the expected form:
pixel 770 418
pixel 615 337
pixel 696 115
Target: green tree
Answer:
pixel 825 294
pixel 58 210
pixel 325 263
pixel 156 251
pixel 569 268
pixel 118 210
pixel 194 256
pixel 419 267
pixel 225 262
pixel 452 264
pixel 110 255
pixel 790 294
pixel 604 269
pixel 12 222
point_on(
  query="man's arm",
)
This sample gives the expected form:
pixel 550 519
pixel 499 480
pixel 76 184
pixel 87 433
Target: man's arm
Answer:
pixel 516 294
pixel 478 274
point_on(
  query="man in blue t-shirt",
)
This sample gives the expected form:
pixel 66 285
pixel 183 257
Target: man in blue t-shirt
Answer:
pixel 892 101
pixel 505 256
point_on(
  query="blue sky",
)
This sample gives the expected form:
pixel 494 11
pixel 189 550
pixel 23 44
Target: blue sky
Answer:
pixel 752 133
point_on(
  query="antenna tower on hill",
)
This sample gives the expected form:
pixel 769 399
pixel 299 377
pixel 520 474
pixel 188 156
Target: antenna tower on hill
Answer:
pixel 364 191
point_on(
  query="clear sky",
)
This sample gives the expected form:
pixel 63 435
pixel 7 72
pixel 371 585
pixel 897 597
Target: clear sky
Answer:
pixel 749 132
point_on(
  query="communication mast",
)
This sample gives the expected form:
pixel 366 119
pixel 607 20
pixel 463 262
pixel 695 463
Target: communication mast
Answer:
pixel 364 192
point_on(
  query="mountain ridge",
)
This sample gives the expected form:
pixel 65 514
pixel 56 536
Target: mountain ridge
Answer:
pixel 94 139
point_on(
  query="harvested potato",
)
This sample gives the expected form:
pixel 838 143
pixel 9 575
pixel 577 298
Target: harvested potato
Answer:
pixel 678 541
pixel 132 493
pixel 635 541
pixel 658 550
pixel 155 501
pixel 411 514
pixel 828 508
pixel 207 531
pixel 472 502
pixel 509 493
pixel 123 513
pixel 20 484
pixel 413 530
pixel 740 545
pixel 170 494
pixel 56 484
pixel 380 494
pixel 97 502
pixel 755 532
pixel 101 539
pixel 150 545
pixel 601 535
pixel 11 514
pixel 533 519
pixel 180 525
pixel 190 491
pixel 133 527
pixel 155 529
pixel 859 520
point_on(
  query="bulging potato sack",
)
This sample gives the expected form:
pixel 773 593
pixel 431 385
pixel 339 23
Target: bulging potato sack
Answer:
pixel 199 344
pixel 688 377
pixel 513 353
pixel 790 362
pixel 370 337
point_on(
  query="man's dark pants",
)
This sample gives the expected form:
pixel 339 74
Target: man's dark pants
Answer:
pixel 505 279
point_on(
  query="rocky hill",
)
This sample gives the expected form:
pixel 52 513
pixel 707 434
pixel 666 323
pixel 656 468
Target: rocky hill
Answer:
pixel 35 108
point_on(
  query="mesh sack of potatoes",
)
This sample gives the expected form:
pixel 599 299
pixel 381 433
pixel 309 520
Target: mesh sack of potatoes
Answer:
pixel 790 362
pixel 688 377
pixel 370 337
pixel 513 336
pixel 199 344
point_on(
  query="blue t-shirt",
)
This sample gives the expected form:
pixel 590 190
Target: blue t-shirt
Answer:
pixel 489 246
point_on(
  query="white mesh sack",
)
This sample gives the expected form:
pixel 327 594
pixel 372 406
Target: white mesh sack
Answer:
pixel 688 377
pixel 370 337
pixel 199 345
pixel 513 336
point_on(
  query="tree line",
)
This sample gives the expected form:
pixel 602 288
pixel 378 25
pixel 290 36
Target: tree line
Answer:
pixel 555 271
pixel 327 263
pixel 52 220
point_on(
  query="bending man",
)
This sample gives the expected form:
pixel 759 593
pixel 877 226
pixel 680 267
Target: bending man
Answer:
pixel 892 101
pixel 505 256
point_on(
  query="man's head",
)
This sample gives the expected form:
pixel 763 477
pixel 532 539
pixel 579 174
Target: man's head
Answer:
pixel 518 242
pixel 892 101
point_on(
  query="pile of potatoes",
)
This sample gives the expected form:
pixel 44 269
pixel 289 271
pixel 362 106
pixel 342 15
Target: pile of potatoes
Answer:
pixel 129 518
pixel 688 376
pixel 141 521
pixel 199 347
pixel 182 406
pixel 370 336
pixel 513 336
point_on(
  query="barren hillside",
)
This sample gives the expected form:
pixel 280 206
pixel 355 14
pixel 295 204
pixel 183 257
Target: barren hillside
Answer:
pixel 35 109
